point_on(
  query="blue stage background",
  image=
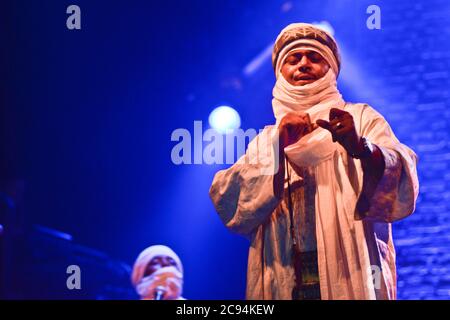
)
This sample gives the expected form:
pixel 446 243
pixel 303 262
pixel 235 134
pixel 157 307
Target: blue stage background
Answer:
pixel 87 117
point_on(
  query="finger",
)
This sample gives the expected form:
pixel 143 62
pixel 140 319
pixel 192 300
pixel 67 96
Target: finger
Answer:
pixel 304 120
pixel 335 113
pixel 342 118
pixel 292 118
pixel 309 125
pixel 324 124
pixel 296 129
pixel 287 118
pixel 308 118
pixel 337 125
pixel 293 129
pixel 344 127
pixel 335 121
pixel 343 131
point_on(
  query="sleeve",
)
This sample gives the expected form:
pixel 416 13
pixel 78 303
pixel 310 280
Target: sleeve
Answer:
pixel 395 195
pixel 243 195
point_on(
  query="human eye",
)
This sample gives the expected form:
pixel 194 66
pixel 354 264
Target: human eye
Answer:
pixel 315 57
pixel 291 60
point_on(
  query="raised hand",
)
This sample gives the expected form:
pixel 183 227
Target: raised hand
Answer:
pixel 342 129
pixel 293 126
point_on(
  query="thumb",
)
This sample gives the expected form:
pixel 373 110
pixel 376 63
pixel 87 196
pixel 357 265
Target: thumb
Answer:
pixel 324 124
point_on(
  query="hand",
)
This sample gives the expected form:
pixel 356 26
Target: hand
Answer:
pixel 293 126
pixel 342 129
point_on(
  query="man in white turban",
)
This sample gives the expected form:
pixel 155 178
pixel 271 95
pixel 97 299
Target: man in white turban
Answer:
pixel 158 274
pixel 316 193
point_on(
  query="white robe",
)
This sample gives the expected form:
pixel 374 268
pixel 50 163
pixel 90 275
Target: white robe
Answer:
pixel 356 254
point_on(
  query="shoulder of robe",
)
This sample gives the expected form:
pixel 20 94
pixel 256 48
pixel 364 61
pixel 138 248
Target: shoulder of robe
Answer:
pixel 365 116
pixel 360 109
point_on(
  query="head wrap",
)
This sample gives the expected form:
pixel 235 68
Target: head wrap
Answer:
pixel 309 37
pixel 170 278
pixel 315 98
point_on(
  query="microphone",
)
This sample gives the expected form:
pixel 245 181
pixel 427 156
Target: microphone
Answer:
pixel 159 293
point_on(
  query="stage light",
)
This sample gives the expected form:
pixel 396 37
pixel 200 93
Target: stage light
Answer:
pixel 224 118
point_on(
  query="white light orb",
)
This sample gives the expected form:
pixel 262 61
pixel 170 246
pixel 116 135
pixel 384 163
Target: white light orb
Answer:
pixel 224 119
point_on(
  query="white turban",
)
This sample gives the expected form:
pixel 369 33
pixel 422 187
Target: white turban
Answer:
pixel 170 278
pixel 305 36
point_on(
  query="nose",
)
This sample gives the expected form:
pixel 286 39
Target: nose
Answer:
pixel 304 64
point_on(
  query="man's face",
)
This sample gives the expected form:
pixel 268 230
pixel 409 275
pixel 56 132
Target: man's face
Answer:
pixel 303 67
pixel 159 262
